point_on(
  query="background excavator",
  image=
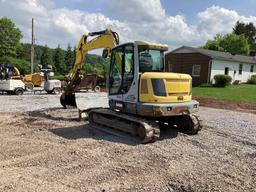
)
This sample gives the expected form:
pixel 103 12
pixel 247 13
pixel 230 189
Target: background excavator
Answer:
pixel 142 96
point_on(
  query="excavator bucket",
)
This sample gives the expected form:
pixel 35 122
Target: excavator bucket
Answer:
pixel 67 99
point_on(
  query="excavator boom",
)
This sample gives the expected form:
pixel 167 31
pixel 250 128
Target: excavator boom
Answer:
pixel 106 39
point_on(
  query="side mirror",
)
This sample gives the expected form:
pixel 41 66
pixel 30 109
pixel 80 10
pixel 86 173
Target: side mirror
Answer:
pixel 105 53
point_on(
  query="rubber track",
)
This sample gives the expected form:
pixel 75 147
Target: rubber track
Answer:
pixel 151 128
pixel 197 122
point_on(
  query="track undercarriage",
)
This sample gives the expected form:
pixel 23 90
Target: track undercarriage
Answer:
pixel 148 130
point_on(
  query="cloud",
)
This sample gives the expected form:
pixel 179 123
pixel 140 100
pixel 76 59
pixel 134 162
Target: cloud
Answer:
pixel 137 10
pixel 149 21
pixel 133 20
pixel 219 20
pixel 216 20
pixel 56 26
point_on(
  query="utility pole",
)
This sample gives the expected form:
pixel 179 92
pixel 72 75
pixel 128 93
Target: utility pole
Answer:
pixel 32 48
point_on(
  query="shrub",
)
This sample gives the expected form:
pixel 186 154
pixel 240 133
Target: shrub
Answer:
pixel 58 77
pixel 222 80
pixel 252 79
pixel 21 64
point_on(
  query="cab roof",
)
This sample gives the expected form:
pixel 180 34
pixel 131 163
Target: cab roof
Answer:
pixel 159 46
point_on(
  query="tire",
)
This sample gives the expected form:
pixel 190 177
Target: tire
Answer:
pixel 19 91
pixel 97 89
pixel 29 87
pixel 57 91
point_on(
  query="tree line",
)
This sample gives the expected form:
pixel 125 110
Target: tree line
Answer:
pixel 242 40
pixel 61 61
pixel 17 53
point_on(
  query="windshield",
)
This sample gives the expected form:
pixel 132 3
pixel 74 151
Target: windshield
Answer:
pixel 150 60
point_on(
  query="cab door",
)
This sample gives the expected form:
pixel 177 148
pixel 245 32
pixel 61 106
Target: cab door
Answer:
pixel 121 73
pixel 116 70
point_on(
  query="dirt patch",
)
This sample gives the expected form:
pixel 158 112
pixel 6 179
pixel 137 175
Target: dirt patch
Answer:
pixel 50 150
pixel 229 105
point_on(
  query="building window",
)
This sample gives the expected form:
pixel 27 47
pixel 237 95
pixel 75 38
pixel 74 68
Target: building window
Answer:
pixel 196 70
pixel 226 70
pixel 252 68
pixel 240 69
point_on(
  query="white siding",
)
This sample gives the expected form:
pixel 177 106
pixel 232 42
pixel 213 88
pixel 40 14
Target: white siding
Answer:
pixel 218 67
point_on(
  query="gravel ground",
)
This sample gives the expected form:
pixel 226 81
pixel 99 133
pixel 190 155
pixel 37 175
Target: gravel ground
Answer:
pixel 28 102
pixel 45 148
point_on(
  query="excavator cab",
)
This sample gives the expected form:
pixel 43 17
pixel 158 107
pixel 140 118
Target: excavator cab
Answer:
pixel 128 64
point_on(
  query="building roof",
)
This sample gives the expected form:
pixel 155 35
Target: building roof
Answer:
pixel 216 54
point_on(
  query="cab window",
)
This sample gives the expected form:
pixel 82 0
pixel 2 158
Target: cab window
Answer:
pixel 121 69
pixel 150 60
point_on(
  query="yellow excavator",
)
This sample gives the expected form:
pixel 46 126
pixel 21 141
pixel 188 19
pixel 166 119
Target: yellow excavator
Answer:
pixel 142 96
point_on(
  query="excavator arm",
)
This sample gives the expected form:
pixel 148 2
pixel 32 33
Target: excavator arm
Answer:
pixel 106 39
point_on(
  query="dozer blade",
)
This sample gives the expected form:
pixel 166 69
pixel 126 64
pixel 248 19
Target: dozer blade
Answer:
pixel 67 99
pixel 87 100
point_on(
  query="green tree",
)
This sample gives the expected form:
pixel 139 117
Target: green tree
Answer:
pixel 69 58
pixel 23 52
pixel 248 30
pixel 235 44
pixel 10 37
pixel 21 64
pixel 59 61
pixel 46 58
pixel 214 44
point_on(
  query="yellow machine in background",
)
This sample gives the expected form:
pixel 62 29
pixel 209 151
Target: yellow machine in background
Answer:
pixel 36 80
pixel 142 97
pixel 30 80
pixel 33 80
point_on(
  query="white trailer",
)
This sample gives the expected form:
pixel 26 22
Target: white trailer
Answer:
pixel 52 86
pixel 12 86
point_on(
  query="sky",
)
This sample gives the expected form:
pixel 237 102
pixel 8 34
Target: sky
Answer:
pixel 172 22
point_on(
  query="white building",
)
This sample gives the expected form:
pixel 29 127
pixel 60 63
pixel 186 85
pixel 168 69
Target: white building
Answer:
pixel 203 64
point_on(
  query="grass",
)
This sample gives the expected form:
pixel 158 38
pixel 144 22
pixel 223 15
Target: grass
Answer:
pixel 245 93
